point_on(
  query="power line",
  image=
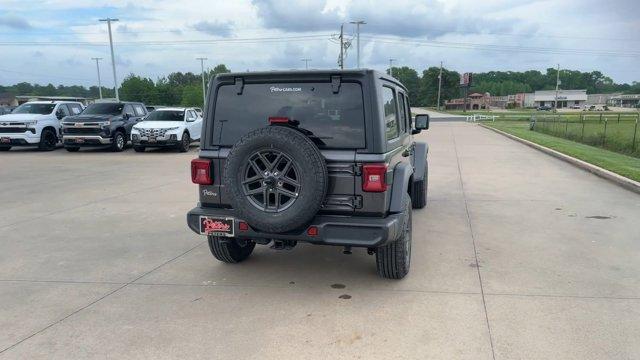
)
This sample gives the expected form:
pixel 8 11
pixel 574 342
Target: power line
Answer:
pixel 441 30
pixel 168 42
pixel 500 48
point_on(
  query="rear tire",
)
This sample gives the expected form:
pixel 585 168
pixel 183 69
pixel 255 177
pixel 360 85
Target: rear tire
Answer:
pixel 419 190
pixel 185 141
pixel 394 259
pixel 5 148
pixel 48 140
pixel 229 250
pixel 119 141
pixel 139 148
pixel 72 149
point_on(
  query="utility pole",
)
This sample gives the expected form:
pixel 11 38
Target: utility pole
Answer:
pixel 341 46
pixel 204 96
pixel 358 23
pixel 391 66
pixel 98 67
pixel 439 86
pixel 555 107
pixel 306 63
pixel 113 58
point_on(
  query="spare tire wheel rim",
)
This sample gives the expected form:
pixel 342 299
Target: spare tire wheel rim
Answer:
pixel 271 180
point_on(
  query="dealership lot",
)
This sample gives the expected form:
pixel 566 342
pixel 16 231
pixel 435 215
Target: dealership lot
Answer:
pixel 517 255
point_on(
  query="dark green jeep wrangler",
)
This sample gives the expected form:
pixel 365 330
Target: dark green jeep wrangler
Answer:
pixel 324 157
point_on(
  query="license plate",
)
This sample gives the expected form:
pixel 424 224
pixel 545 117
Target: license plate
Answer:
pixel 216 226
pixel 152 139
pixel 5 140
pixel 80 141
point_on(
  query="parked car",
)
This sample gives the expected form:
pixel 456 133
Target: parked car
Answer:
pixel 151 108
pixel 105 124
pixel 544 108
pixel 596 108
pixel 35 123
pixel 167 127
pixel 324 157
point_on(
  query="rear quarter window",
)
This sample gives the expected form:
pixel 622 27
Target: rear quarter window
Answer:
pixel 332 120
pixel 389 104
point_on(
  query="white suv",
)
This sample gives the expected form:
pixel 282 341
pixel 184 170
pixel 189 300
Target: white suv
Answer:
pixel 35 123
pixel 167 127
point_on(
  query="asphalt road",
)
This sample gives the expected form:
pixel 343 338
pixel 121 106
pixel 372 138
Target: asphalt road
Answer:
pixel 517 256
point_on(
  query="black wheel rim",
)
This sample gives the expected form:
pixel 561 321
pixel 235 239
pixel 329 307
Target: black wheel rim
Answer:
pixel 271 180
pixel 49 140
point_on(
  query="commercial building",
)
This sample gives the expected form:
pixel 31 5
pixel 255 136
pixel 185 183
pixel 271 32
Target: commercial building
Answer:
pixel 600 99
pixel 565 98
pixel 475 101
pixel 625 100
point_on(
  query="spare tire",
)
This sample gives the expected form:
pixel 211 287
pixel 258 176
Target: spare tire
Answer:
pixel 276 178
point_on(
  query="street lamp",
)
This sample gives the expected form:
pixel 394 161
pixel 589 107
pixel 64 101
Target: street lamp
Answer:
pixel 204 97
pixel 113 58
pixel 358 23
pixel 98 68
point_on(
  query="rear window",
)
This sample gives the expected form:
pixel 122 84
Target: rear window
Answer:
pixel 334 120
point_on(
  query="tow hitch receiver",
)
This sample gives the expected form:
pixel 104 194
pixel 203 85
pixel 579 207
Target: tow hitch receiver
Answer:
pixel 283 244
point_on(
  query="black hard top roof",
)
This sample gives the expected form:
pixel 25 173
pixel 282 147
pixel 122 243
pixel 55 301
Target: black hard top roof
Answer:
pixel 307 74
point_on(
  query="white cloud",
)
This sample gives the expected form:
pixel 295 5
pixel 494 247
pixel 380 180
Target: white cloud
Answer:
pixel 538 23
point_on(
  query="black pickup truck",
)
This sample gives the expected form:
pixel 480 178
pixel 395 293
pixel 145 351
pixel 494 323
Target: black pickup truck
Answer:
pixel 102 125
pixel 324 157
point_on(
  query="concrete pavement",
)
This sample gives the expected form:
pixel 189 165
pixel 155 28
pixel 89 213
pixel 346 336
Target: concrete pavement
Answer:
pixel 517 256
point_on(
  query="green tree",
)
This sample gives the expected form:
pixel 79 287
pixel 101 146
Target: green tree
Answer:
pixel 192 95
pixel 409 77
pixel 136 88
pixel 428 89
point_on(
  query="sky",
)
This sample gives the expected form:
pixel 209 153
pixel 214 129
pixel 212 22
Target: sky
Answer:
pixel 53 41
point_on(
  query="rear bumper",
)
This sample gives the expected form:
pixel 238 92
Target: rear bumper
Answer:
pixel 354 231
pixel 87 140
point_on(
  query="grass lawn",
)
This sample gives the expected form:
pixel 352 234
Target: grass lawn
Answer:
pixel 620 164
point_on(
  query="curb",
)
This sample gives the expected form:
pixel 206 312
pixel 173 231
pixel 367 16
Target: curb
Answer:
pixel 619 180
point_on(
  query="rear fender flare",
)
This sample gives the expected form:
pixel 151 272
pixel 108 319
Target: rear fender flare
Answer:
pixel 401 177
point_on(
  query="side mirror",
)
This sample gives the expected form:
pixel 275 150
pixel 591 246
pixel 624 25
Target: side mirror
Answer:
pixel 126 116
pixel 191 119
pixel 59 114
pixel 422 123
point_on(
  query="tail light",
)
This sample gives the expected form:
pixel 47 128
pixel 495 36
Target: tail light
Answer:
pixel 201 172
pixel 374 177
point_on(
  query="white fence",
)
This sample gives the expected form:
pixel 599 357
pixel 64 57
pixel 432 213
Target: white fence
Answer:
pixel 478 117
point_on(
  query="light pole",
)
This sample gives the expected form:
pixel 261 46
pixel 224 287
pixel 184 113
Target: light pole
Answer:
pixel 113 58
pixel 98 68
pixel 555 106
pixel 342 46
pixel 439 86
pixel 358 23
pixel 204 96
pixel 391 66
pixel 306 63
